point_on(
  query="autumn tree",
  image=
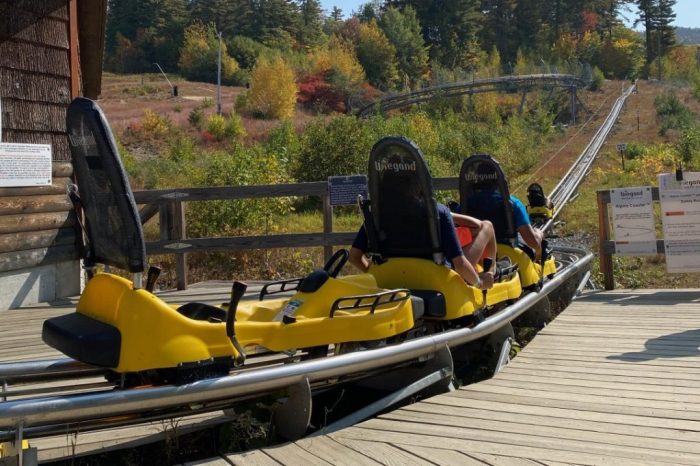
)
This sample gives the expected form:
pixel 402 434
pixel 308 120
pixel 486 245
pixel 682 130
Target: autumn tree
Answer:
pixel 199 55
pixel 377 56
pixel 273 91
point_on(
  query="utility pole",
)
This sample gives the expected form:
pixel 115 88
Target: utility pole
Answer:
pixel 218 81
pixel 658 53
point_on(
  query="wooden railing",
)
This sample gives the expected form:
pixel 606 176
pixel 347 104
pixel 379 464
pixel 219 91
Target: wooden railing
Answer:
pixel 169 205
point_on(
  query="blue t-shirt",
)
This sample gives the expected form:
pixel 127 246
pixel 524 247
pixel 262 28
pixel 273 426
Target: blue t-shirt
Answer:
pixel 492 200
pixel 448 237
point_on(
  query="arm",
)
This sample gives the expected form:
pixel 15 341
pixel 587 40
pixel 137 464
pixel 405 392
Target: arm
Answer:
pixel 469 275
pixel 531 236
pixel 358 259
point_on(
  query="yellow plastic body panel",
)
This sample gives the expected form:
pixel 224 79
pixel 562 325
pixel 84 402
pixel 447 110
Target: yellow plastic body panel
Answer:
pixel 420 274
pixel 540 212
pixel 504 291
pixel 259 323
pixel 153 334
pixel 530 272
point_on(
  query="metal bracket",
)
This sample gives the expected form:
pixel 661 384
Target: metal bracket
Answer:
pixel 438 374
pixel 504 357
pixel 291 419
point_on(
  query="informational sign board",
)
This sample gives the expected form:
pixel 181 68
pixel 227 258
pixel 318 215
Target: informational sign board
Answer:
pixel 25 165
pixel 633 221
pixel 680 214
pixel 345 189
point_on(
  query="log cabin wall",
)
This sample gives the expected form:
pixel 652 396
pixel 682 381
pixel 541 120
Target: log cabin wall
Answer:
pixel 39 75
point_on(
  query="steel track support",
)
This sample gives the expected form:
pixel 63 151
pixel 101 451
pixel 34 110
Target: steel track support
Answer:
pixel 14 453
pixel 437 375
pixel 291 419
pixel 504 357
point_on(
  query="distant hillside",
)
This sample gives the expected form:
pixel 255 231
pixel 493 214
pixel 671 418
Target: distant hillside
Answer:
pixel 688 35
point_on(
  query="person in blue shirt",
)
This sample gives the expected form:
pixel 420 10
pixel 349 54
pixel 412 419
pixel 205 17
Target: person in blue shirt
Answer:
pixel 451 249
pixel 489 199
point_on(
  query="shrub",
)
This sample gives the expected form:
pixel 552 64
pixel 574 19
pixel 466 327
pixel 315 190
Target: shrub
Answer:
pixel 671 112
pixel 196 117
pixel 339 147
pixel 688 145
pixel 223 128
pixel 597 79
pixel 246 166
pixel 246 50
pixel 273 92
pixel 316 92
pixel 153 124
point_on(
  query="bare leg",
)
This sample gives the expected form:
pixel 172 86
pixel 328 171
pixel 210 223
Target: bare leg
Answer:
pixel 483 239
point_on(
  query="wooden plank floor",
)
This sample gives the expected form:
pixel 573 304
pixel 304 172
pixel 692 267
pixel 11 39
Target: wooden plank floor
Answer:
pixel 613 380
pixel 20 340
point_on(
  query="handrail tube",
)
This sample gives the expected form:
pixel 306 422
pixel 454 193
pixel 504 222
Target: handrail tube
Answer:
pixel 42 411
pixel 30 369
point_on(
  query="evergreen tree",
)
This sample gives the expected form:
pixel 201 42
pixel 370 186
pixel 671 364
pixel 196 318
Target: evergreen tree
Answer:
pixel 403 31
pixel 231 17
pixel 656 16
pixel 311 23
pixel 499 27
pixel 274 22
pixel 451 28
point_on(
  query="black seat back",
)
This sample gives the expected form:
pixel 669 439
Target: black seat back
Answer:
pixel 112 224
pixel 535 196
pixel 403 209
pixel 480 178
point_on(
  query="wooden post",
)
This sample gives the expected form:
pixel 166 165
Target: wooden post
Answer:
pixel 573 105
pixel 606 263
pixel 327 224
pixel 73 41
pixel 173 227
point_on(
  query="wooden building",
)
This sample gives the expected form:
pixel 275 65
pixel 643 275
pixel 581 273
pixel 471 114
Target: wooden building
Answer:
pixel 50 52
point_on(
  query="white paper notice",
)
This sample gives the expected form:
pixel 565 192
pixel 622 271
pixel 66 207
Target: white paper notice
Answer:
pixel 680 214
pixel 25 165
pixel 633 221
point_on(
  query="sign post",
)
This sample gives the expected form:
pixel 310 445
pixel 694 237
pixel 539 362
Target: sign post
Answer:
pixel 633 221
pixel 621 149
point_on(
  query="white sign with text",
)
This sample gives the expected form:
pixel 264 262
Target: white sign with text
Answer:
pixel 25 165
pixel 633 221
pixel 680 215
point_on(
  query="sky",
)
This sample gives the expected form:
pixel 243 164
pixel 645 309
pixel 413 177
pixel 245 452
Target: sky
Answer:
pixel 687 11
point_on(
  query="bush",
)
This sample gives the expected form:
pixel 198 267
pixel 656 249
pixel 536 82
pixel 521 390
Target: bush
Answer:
pixel 246 50
pixel 273 92
pixel 597 79
pixel 196 117
pixel 316 92
pixel 223 128
pixel 153 124
pixel 671 112
pixel 246 166
pixel 339 147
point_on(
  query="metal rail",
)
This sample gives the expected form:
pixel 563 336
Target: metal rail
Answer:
pixel 503 83
pixel 570 182
pixel 36 412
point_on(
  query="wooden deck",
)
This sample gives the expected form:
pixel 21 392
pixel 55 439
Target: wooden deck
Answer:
pixel 613 380
pixel 20 340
